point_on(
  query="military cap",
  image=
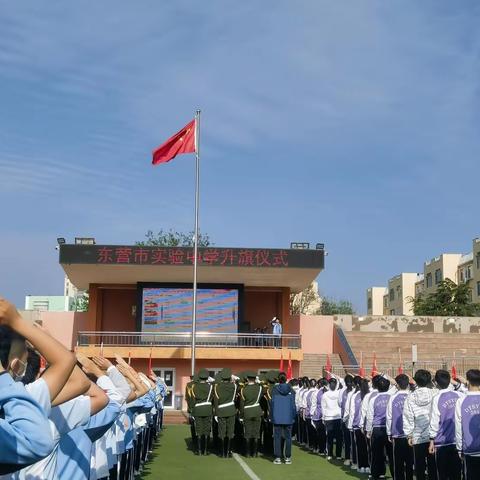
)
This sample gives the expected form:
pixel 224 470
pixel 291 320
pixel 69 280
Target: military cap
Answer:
pixel 226 374
pixel 203 374
pixel 250 374
pixel 272 376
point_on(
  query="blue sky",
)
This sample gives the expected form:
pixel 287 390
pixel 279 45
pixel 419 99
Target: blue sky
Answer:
pixel 351 123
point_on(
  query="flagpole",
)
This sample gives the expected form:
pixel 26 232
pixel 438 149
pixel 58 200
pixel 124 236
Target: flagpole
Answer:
pixel 195 234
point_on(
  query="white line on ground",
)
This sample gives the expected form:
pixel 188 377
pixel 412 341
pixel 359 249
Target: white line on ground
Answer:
pixel 245 467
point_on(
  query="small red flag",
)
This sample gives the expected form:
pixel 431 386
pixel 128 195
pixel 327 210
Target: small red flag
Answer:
pixel 361 370
pixel 182 142
pixel 454 369
pixel 281 362
pixel 328 368
pixel 400 369
pixel 374 367
pixel 289 370
pixel 129 357
pixel 150 371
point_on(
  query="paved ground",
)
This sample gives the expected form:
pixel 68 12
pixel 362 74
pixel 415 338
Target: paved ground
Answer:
pixel 173 460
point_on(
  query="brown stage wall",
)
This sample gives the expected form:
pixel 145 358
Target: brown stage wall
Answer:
pixel 111 307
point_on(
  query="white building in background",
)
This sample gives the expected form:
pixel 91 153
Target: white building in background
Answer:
pixel 49 303
pixel 375 296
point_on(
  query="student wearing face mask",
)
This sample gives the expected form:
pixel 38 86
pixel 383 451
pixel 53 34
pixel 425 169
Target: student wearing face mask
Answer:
pixel 24 431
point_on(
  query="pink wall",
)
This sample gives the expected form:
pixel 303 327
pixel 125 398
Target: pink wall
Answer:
pixel 64 326
pixel 316 332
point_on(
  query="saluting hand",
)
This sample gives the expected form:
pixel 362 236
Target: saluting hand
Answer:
pixel 102 363
pixel 8 312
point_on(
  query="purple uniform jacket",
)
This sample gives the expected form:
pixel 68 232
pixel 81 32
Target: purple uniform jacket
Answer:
pixel 318 410
pixel 397 415
pixel 380 403
pixel 447 402
pixel 470 409
pixel 358 412
pixel 309 404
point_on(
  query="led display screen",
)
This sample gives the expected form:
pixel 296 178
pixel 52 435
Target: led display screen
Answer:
pixel 166 309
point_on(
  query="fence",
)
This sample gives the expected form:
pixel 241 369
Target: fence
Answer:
pixel 462 365
pixel 179 339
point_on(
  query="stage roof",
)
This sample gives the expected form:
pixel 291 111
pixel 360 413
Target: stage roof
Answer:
pixel 253 267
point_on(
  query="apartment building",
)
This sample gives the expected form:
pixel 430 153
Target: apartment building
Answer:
pixel 375 300
pixel 401 289
pixel 454 266
pixel 440 268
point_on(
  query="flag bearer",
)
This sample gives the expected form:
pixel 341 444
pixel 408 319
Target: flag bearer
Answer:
pixel 251 413
pixel 225 410
pixel 202 395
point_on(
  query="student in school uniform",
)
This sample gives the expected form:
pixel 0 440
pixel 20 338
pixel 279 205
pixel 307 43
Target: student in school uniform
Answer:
pixel 332 417
pixel 76 448
pixel 416 424
pixel 377 430
pixel 304 386
pixel 442 428
pixel 25 435
pixel 467 426
pixel 354 424
pixel 347 420
pixel 307 414
pixel 71 408
pixel 317 417
pixel 345 392
pixel 402 451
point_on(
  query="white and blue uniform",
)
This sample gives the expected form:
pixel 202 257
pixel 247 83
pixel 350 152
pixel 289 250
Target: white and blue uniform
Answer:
pixel 24 430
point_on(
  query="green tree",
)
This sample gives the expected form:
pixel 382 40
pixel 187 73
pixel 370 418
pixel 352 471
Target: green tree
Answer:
pixel 301 303
pixel 449 299
pixel 331 306
pixel 172 238
pixel 81 303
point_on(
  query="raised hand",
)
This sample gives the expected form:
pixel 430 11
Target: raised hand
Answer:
pixel 8 312
pixel 88 366
pixel 102 363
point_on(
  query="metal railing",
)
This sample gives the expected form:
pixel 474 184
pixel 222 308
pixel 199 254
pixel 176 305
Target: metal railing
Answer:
pixel 346 346
pixel 462 365
pixel 180 339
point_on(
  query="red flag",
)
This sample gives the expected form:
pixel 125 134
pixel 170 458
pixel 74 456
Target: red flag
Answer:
pixel 182 142
pixel 361 371
pixel 454 369
pixel 400 369
pixel 129 357
pixel 374 367
pixel 281 362
pixel 150 371
pixel 328 368
pixel 289 370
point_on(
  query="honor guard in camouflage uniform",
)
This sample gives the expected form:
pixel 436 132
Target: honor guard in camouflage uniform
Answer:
pixel 225 410
pixel 202 396
pixel 190 403
pixel 251 413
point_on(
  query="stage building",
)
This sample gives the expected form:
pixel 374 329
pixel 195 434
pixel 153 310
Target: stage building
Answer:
pixel 141 307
